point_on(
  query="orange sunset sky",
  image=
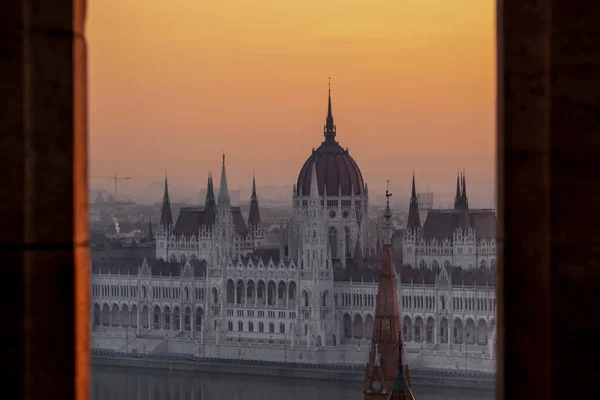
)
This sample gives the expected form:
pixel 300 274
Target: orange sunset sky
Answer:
pixel 174 83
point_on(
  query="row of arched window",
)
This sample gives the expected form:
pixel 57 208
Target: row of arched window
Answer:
pixel 122 291
pixel 435 264
pixel 158 292
pixel 355 300
pixel 249 327
pixel 474 304
pixel 422 302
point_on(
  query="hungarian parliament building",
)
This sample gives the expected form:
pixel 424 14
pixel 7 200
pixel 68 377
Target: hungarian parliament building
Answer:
pixel 209 286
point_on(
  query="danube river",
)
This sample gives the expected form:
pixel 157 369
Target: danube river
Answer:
pixel 131 384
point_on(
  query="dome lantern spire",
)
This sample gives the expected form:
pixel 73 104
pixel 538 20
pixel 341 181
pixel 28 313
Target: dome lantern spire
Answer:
pixel 329 125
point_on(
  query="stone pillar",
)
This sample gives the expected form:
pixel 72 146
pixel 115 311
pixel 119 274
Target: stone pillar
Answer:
pixel 44 200
pixel 549 127
pixel 450 332
pixel 193 322
pixel 139 320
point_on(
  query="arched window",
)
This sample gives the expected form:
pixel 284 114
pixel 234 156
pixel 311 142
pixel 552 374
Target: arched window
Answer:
pixel 347 240
pixel 305 296
pixel 333 241
pixel 443 300
pixel 422 264
pixel 215 295
pixel 186 290
pixel 250 327
pixel 447 264
pixel 483 264
pixel 271 327
pixel 492 264
pixel 240 326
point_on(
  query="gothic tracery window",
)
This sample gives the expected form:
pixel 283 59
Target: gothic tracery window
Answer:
pixel 333 241
pixel 347 240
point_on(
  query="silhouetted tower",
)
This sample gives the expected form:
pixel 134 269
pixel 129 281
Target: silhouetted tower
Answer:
pixel 414 221
pixel 329 124
pixel 254 224
pixel 210 205
pixel 464 218
pixel 224 228
pixel 382 366
pixel 166 218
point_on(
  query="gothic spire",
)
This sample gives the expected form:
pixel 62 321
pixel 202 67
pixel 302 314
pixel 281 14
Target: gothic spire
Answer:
pixel 166 192
pixel 253 186
pixel 254 214
pixel 414 220
pixel 458 199
pixel 329 125
pixel 210 191
pixel 209 204
pixel 458 193
pixel 166 218
pixel 383 357
pixel 464 187
pixel 223 191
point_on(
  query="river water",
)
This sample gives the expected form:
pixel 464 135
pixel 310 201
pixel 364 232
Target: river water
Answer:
pixel 132 384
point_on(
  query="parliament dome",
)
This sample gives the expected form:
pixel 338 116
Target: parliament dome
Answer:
pixel 336 169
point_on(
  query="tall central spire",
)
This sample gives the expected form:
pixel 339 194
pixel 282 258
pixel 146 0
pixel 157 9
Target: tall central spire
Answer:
pixel 329 125
pixel 223 191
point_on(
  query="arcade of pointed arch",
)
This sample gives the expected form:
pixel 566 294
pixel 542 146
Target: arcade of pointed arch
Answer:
pixel 256 292
pixel 462 251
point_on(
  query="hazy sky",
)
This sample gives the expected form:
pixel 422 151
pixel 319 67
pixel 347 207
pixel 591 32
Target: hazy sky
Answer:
pixel 174 83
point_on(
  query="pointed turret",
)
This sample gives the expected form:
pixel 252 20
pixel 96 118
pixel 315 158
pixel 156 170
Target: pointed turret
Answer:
pixel 464 219
pixel 150 233
pixel 464 189
pixel 401 388
pixel 414 221
pixel 329 124
pixel 209 203
pixel 458 197
pixel 210 191
pixel 166 218
pixel 254 215
pixel 383 361
pixel 223 191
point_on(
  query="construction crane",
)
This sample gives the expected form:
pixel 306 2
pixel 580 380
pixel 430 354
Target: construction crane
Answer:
pixel 116 178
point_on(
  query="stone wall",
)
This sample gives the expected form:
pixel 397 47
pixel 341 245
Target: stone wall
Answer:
pixel 456 362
